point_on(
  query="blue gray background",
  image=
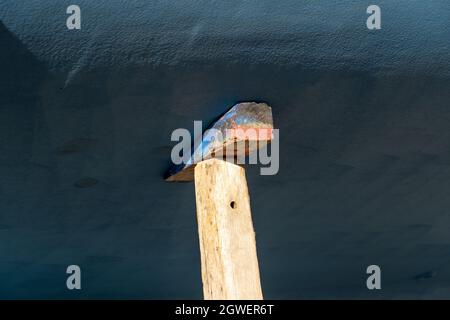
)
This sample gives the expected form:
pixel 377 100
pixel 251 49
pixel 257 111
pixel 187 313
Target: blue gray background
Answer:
pixel 85 123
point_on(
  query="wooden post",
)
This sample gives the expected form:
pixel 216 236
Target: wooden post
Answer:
pixel 227 240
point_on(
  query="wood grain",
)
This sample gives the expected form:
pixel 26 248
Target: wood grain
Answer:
pixel 227 239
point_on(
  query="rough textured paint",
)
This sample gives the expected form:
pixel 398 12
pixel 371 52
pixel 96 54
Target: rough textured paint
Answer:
pixel 364 124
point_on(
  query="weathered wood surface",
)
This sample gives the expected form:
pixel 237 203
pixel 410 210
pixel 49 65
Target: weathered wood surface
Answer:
pixel 227 239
